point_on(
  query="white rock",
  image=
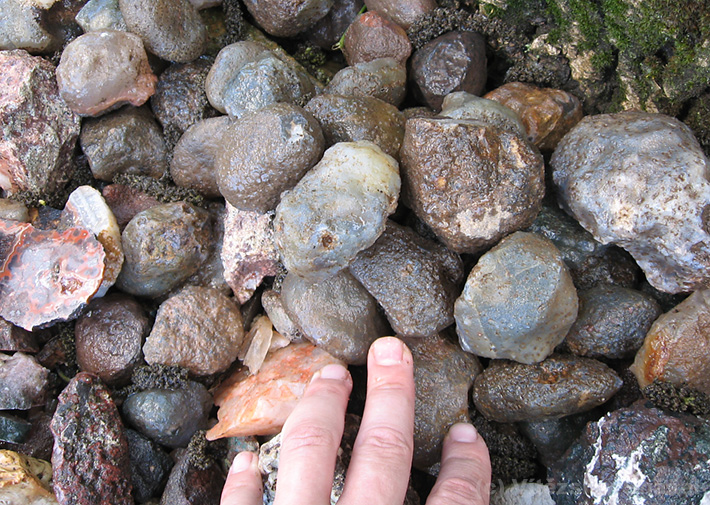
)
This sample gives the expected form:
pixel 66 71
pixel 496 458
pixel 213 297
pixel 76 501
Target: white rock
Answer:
pixel 523 493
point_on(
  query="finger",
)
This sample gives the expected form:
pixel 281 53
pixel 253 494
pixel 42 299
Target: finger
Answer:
pixel 382 455
pixel 465 475
pixel 243 486
pixel 311 437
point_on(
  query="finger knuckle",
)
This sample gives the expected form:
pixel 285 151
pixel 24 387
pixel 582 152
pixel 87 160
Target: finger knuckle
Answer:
pixel 388 440
pixel 458 491
pixel 305 436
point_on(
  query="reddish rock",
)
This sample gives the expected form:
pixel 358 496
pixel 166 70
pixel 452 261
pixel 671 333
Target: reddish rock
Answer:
pixel 193 483
pixel 373 36
pixel 402 12
pixel 125 202
pixel 70 264
pixel 13 338
pixel 38 131
pixel 22 382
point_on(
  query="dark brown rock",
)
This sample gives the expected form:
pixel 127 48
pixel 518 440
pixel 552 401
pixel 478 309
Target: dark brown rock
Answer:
pixel 383 78
pixel 125 202
pixel 150 466
pixel 191 485
pixel 14 338
pixel 90 464
pixel 328 30
pixel 372 36
pixel 285 18
pixel 402 12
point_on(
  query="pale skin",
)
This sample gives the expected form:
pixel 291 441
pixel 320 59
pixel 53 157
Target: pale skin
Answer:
pixel 382 455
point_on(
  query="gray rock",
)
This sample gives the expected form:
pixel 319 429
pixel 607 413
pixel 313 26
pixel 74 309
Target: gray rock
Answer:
pixel 211 272
pixel 336 314
pixel 518 302
pixel 463 105
pixel 150 466
pixel 22 382
pixel 13 338
pixel 470 182
pixel 170 417
pixel 383 78
pixel 226 67
pixel 283 18
pixel 404 271
pixel 326 32
pixel 372 36
pixel 99 15
pixel 640 181
pixel 275 310
pixel 561 385
pixel 20 28
pixel 522 493
pixel 13 429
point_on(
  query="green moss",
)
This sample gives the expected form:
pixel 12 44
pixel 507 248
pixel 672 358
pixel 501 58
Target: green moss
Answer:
pixel 162 190
pixel 159 377
pixel 677 398
pixel 203 453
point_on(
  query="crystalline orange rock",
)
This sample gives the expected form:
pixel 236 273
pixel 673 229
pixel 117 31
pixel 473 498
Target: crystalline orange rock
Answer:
pixel 259 404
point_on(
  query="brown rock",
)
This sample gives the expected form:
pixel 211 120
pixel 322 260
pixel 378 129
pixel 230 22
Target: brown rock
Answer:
pixel 328 29
pixel 193 484
pixel 22 382
pixel 14 338
pixel 383 78
pixel 546 113
pixel 373 36
pixel 285 18
pixel 125 202
pixel 402 12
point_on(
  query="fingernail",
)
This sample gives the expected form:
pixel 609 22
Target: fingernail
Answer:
pixel 463 432
pixel 336 372
pixel 388 351
pixel 242 462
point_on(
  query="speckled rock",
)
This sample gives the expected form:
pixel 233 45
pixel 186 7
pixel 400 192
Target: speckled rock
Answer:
pixel 128 141
pixel 548 114
pixel 150 466
pixel 353 118
pixel 126 202
pixel 337 314
pixel 101 71
pixel 189 484
pixel 455 61
pixel 194 163
pixel 199 329
pixel 522 493
pixel 38 131
pixel 612 322
pixel 561 385
pixel 383 78
pixel 677 347
pixel 372 36
pixel 13 429
pixel 518 302
pixel 14 338
pixel 169 417
pixel 266 153
pixel 90 458
pixel 20 28
pixel 463 105
pixel 637 455
pixel 326 32
pixel 163 246
pixel 403 270
pixel 402 12
pixel 338 209
pixel 471 183
pixel 109 337
pixel 14 210
pixel 99 15
pixel 22 382
pixel 640 180
pixel 283 18
pixel 170 29
pixel 25 480
pixel 211 272
pixel 442 393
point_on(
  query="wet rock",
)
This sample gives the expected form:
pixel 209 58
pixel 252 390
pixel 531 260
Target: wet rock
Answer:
pixel 442 393
pixel 640 181
pixel 455 61
pixel 259 404
pixel 20 28
pixel 249 253
pixel 13 338
pixel 163 246
pixel 471 183
pixel 383 78
pixel 372 36
pixel 337 209
pixel 352 118
pixel 612 322
pixel 548 114
pixel 337 314
pixel 125 202
pixel 13 429
pixel 109 337
pixel 194 163
pixel 128 141
pixel 266 153
pixel 283 18
pixel 402 12
pixel 169 417
pixel 462 105
pixel 199 329
pixel 523 493
pixel 101 71
pixel 189 484
pixel 172 30
pixel 16 211
pixel 403 270
pixel 97 15
pixel 71 264
pixel 37 129
pixel 90 458
pixel 561 385
pixel 150 466
pixel 326 32
pixel 636 455
pixel 25 480
pixel 518 302
pixel 677 347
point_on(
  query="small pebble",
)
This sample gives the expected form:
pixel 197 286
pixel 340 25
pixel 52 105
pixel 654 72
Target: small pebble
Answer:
pixel 402 12
pixel 284 18
pixel 97 15
pixel 372 36
pixel 383 78
pixel 150 466
pixel 189 484
pixel 326 32
pixel 23 382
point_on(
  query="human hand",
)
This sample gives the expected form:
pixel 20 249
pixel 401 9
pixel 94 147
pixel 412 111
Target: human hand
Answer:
pixel 379 470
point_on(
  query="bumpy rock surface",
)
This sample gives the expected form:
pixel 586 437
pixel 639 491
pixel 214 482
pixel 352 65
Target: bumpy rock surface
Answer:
pixel 372 36
pixel 13 338
pixel 351 118
pixel 189 484
pixel 519 301
pixel 199 329
pixel 170 29
pixel 326 32
pixel 523 493
pixel 640 181
pixel 677 347
pixel 402 12
pixel 265 153
pixel 109 337
pixel 470 182
pixel 383 78
pixel 101 15
pixel 637 455
pixel 462 105
pixel 561 385
pixel 163 246
pixel 403 270
pixel 128 141
pixel 284 18
pixel 20 28
pixel 25 480
pixel 16 211
pixel 339 208
pixel 100 71
pixel 336 314
pixel 90 458
pixel 22 381
pixel 38 131
pixel 150 466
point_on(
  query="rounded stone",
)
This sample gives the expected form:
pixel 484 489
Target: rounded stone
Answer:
pixel 372 36
pixel 226 66
pixel 518 302
pixel 402 12
pixel 326 32
pixel 285 18
pixel 383 78
pixel 462 105
pixel 99 15
pixel 150 466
